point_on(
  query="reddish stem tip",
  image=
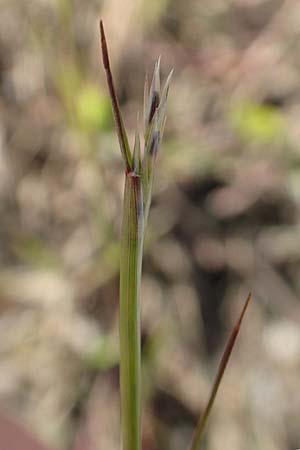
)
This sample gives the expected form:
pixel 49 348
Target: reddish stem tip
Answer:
pixel 104 46
pixel 244 309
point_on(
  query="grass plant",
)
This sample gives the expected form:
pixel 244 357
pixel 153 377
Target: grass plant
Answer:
pixel 139 170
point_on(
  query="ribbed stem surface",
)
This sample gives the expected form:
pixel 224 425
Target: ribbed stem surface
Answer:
pixel 130 336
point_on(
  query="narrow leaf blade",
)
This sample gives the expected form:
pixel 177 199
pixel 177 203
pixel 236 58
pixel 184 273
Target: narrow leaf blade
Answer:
pixel 146 106
pixel 137 153
pixel 121 132
pixel 165 91
pixel 199 431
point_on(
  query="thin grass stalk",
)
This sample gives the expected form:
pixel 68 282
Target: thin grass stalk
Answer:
pixel 130 346
pixel 130 276
pixel 139 176
pixel 200 428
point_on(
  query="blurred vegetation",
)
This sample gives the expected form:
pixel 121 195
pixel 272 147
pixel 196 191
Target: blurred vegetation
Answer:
pixel 225 218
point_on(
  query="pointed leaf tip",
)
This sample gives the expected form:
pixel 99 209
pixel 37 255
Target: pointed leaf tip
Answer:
pixel 101 27
pixel 157 75
pixel 165 90
pixel 121 132
pixel 104 46
pixel 154 95
pixel 200 428
pixel 244 309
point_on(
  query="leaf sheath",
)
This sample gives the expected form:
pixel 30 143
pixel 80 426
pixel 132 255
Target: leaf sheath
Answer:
pixel 130 347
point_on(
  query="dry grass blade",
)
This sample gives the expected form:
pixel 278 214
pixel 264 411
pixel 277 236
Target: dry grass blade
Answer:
pixel 199 431
pixel 122 136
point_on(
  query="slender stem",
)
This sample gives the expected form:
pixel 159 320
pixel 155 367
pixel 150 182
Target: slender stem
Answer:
pixel 130 336
pixel 199 431
pixel 137 197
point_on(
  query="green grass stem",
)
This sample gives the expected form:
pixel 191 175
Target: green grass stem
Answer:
pixel 139 174
pixel 130 334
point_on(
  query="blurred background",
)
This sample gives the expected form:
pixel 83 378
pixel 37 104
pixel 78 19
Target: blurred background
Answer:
pixel 225 219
